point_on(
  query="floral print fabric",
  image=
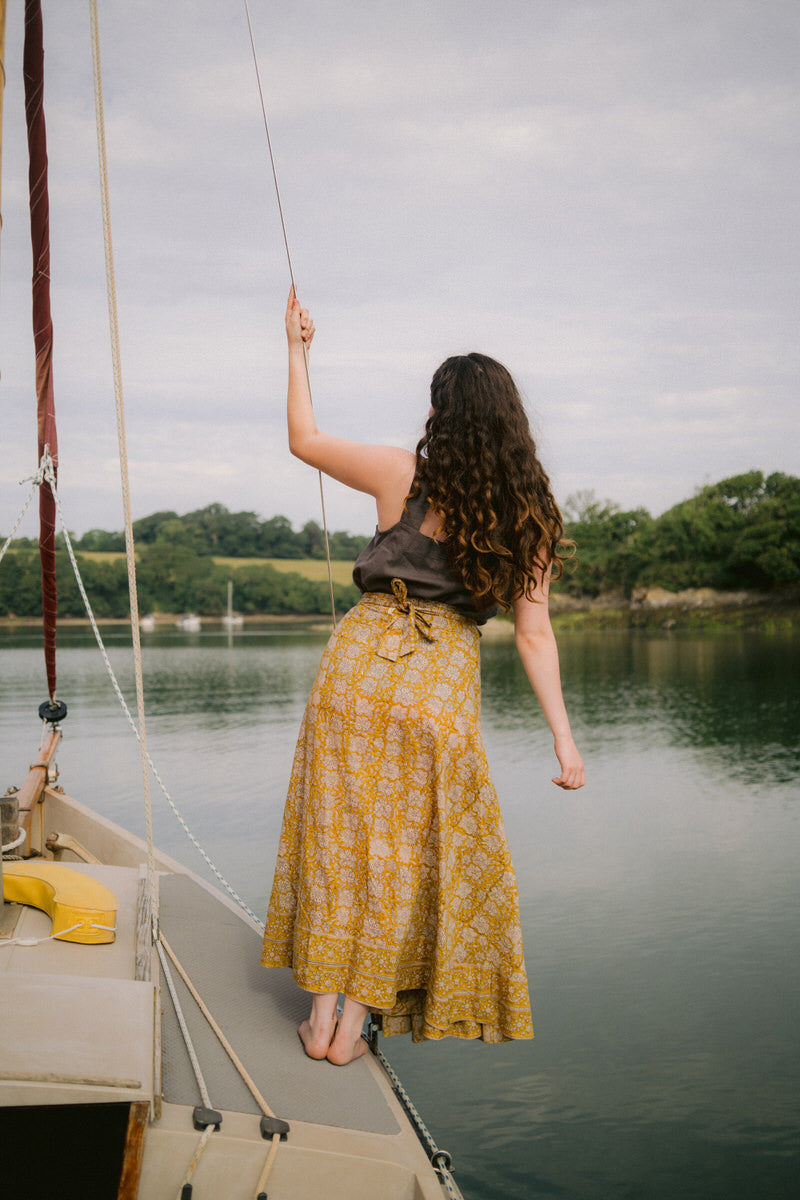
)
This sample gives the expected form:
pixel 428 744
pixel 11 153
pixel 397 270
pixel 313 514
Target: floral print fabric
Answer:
pixel 394 882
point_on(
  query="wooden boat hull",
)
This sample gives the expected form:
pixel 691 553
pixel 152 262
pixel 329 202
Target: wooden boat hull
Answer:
pixel 89 1033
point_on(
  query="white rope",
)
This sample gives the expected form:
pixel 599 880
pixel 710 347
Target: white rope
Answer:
pixel 118 691
pixel 440 1159
pixel 123 456
pixel 18 840
pixel 247 1079
pixel 198 1072
pixel 34 480
pixel 31 941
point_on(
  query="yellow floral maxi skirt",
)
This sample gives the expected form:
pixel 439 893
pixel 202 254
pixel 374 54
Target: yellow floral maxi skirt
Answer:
pixel 394 882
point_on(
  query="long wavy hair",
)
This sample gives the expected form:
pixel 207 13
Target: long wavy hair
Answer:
pixel 500 524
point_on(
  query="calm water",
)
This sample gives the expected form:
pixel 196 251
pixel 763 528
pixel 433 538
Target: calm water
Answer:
pixel 660 905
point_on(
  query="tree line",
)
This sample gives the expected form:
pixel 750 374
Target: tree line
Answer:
pixel 740 533
pixel 214 530
pixel 169 579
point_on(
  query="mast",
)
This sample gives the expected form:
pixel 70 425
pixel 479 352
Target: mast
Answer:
pixel 2 92
pixel 2 83
pixel 33 70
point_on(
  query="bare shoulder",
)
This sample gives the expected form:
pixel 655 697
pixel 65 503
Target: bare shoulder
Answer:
pixel 401 463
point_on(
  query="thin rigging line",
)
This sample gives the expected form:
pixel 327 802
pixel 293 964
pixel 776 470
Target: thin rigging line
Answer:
pixel 294 288
pixel 113 322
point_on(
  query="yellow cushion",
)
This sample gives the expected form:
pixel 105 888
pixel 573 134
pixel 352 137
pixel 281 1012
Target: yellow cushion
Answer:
pixel 67 896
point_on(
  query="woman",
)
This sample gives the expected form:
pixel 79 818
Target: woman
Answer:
pixel 394 883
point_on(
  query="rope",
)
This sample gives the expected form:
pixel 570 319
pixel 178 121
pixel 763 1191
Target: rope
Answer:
pixel 233 1056
pixel 262 1179
pixel 62 933
pixel 18 840
pixel 118 691
pixel 198 1073
pixel 201 1145
pixel 440 1159
pixel 294 286
pixel 227 1047
pixel 123 456
pixel 36 480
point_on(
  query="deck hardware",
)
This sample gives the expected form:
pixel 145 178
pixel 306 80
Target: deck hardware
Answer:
pixel 371 1036
pixel 53 711
pixel 203 1117
pixel 272 1125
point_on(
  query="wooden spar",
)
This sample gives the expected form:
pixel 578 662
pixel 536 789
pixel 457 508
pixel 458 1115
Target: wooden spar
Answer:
pixel 30 793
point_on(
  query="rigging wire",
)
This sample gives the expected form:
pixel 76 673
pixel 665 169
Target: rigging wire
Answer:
pixel 111 292
pixel 294 285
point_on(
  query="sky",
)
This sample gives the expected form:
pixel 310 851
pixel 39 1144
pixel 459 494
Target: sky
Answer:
pixel 602 194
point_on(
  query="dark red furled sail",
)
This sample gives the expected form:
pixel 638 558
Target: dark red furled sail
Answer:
pixel 33 69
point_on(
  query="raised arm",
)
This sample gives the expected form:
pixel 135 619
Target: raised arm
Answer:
pixel 381 471
pixel 537 648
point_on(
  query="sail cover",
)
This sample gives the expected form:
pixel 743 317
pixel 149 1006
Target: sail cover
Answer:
pixel 33 69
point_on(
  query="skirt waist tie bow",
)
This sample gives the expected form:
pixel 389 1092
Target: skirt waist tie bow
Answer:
pixel 404 628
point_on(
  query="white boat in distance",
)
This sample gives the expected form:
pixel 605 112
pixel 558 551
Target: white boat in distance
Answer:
pixel 189 623
pixel 232 620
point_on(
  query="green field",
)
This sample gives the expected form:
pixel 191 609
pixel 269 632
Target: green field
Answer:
pixel 315 569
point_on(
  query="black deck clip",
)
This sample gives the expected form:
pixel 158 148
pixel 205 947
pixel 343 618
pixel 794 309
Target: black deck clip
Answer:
pixel 272 1125
pixel 203 1117
pixel 53 711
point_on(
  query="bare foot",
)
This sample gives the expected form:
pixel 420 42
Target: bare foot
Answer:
pixel 345 1049
pixel 317 1040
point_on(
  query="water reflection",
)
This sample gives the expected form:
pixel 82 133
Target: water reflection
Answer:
pixel 733 694
pixel 659 905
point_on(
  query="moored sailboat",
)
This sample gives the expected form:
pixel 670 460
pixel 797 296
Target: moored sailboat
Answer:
pixel 151 1056
pixel 231 619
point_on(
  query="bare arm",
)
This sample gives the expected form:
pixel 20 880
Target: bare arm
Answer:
pixel 384 472
pixel 536 645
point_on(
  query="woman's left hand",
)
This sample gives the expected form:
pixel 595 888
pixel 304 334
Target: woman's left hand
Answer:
pixel 573 774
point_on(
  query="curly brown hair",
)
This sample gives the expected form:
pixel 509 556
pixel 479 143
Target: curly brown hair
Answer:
pixel 477 461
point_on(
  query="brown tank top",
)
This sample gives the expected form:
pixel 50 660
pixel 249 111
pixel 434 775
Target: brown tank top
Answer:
pixel 402 552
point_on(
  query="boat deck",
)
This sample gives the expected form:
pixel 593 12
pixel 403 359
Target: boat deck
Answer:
pixel 86 1032
pixel 259 1011
pixel 66 1046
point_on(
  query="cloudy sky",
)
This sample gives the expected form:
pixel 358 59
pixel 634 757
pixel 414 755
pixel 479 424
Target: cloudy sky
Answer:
pixel 603 194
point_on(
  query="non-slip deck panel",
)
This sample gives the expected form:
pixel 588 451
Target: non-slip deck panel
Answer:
pixel 259 1011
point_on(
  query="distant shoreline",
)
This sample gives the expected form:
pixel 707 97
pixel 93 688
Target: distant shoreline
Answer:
pixel 692 608
pixel 648 608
